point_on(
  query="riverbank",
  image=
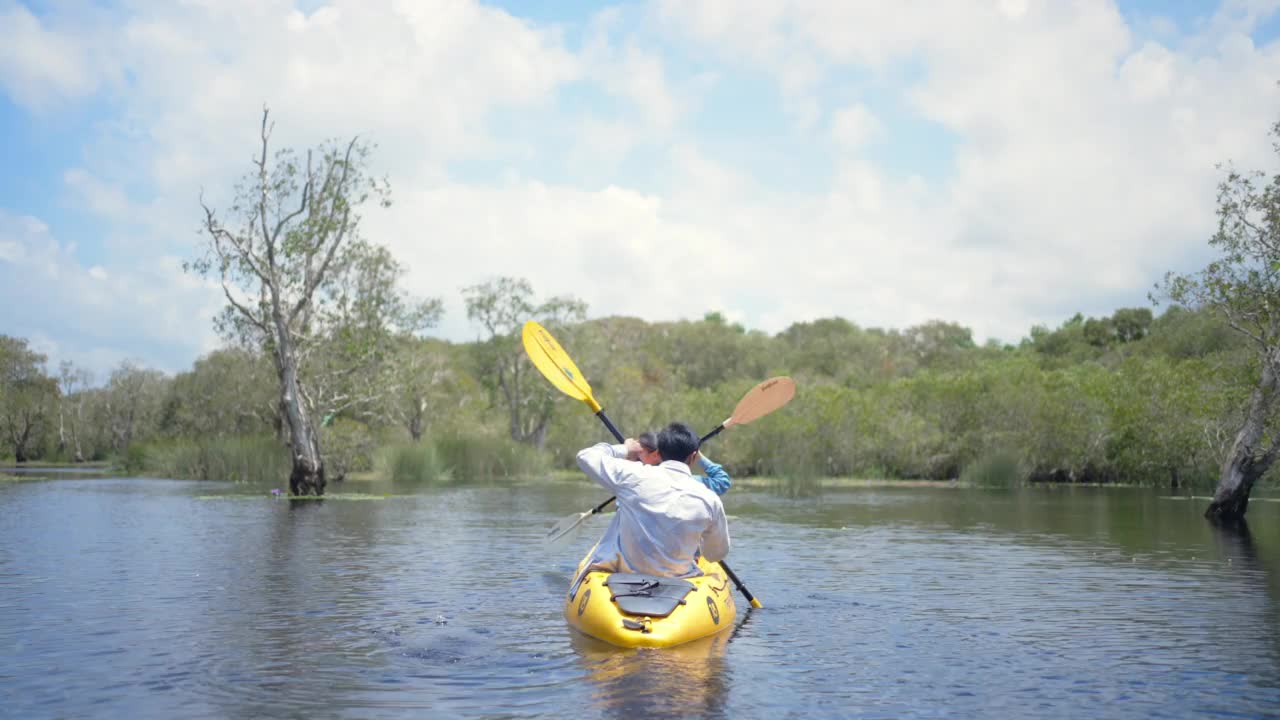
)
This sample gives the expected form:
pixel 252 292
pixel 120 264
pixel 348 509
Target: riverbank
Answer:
pixel 49 464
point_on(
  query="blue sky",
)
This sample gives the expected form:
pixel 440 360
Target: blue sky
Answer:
pixel 997 163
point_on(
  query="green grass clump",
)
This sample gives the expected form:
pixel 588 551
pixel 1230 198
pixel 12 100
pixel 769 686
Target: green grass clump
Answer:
pixel 412 463
pixel 999 469
pixel 461 458
pixel 478 457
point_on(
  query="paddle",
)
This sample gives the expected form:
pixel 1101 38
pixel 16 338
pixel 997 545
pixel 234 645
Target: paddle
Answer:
pixel 556 365
pixel 758 402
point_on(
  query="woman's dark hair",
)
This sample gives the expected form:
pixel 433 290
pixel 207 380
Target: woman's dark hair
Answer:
pixel 677 441
pixel 648 440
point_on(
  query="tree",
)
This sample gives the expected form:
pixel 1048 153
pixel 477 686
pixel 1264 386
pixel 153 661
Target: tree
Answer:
pixel 1131 323
pixel 836 348
pixel 1099 332
pixel 425 381
pixel 292 237
pixel 134 397
pixel 73 382
pixel 26 395
pixel 1243 284
pixel 937 344
pixel 229 392
pixel 368 321
pixel 501 307
pixel 708 351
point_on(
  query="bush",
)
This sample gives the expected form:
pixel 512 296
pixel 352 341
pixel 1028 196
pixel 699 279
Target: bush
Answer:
pixel 135 459
pixel 477 457
pixel 347 446
pixel 412 463
pixel 460 457
pixel 999 469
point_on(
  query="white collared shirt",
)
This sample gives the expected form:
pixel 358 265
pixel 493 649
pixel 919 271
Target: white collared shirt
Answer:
pixel 664 515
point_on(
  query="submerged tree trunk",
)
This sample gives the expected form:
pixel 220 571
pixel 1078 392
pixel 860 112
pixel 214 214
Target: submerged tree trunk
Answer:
pixel 20 440
pixel 75 433
pixel 1247 461
pixel 307 476
pixel 416 424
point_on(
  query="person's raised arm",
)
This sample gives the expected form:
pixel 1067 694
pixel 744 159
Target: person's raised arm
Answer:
pixel 714 476
pixel 605 463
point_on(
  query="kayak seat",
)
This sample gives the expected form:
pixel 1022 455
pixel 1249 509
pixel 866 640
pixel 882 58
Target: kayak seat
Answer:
pixel 647 595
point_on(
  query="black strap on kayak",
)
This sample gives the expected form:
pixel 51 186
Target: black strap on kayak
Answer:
pixel 643 589
pixel 641 625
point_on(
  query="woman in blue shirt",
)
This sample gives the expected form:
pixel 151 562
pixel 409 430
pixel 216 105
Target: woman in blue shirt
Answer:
pixel 714 476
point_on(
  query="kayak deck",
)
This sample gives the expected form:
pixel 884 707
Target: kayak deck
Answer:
pixel 645 611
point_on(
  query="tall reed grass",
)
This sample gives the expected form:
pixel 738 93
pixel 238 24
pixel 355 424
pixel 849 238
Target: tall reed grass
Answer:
pixel 258 460
pixel 460 458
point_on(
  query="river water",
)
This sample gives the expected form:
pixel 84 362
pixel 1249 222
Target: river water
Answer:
pixel 126 597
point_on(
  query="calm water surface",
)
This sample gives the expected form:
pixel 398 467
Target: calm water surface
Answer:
pixel 154 598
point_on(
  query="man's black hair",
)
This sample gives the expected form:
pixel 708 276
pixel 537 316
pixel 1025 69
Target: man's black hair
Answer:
pixel 677 441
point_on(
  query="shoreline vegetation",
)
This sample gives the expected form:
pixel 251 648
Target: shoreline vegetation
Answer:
pixel 1131 399
pixel 1152 401
pixel 372 484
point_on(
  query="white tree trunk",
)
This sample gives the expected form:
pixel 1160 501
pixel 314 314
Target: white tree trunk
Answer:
pixel 1247 461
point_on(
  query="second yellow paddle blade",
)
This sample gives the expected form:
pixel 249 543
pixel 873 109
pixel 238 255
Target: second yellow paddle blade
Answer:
pixel 554 363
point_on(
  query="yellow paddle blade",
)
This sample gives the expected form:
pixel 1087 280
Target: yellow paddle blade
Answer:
pixel 762 400
pixel 555 364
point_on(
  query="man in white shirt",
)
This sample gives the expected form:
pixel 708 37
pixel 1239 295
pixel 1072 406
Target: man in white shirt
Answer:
pixel 664 515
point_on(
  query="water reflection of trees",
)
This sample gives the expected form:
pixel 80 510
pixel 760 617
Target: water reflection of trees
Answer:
pixel 297 640
pixel 1255 565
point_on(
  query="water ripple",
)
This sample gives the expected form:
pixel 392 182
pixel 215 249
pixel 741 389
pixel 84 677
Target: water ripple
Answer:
pixel 126 597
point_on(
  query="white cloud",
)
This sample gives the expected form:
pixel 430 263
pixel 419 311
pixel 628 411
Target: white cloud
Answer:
pixel 1083 166
pixel 415 77
pixel 95 315
pixel 39 67
pixel 1076 165
pixel 106 200
pixel 853 126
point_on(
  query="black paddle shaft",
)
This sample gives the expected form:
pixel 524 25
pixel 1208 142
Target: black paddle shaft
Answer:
pixel 609 424
pixel 711 434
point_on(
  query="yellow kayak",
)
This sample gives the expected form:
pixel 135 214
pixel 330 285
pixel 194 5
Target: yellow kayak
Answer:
pixel 631 610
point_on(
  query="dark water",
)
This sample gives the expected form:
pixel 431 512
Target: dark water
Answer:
pixel 145 598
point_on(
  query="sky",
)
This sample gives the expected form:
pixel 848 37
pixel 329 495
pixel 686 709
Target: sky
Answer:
pixel 995 163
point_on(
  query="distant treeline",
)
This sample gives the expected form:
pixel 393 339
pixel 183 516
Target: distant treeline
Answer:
pixel 1129 398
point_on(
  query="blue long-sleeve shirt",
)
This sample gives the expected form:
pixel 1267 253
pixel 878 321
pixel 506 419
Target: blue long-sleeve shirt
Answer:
pixel 716 479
